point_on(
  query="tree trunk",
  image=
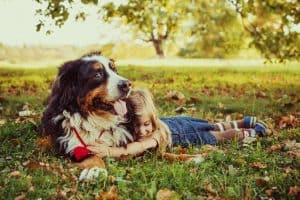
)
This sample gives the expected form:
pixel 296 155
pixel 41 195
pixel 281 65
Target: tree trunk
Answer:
pixel 158 48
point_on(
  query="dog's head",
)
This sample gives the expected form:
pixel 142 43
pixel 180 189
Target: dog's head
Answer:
pixel 90 84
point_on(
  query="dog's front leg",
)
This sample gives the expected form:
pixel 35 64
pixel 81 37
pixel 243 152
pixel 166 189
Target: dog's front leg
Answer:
pixel 92 168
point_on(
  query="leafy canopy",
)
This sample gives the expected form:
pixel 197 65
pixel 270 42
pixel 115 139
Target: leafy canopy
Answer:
pixel 272 25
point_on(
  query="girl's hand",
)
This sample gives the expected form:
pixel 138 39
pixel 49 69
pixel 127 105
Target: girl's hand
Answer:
pixel 100 149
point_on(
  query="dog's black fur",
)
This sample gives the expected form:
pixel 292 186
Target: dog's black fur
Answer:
pixel 74 80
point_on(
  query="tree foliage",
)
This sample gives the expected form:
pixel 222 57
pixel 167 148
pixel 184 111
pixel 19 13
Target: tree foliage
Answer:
pixel 154 21
pixel 272 25
pixel 215 30
pixel 59 11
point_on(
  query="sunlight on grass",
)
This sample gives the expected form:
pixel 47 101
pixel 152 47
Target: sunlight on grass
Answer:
pixel 212 93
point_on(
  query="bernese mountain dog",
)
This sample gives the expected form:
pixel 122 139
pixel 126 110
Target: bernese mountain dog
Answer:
pixel 86 104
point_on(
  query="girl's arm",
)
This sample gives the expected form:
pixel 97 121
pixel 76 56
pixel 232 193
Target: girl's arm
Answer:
pixel 133 148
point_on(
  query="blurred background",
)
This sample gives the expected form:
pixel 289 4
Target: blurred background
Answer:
pixel 168 32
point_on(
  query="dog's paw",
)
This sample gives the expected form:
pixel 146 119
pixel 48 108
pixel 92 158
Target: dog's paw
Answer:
pixel 92 173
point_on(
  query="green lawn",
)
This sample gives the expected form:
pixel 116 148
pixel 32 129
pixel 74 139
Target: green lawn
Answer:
pixel 212 93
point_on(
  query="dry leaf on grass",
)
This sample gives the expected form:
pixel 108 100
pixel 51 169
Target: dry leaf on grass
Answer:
pixel 288 122
pixel 2 122
pixel 44 142
pixel 166 194
pixel 15 174
pixel 194 100
pixel 294 153
pixel 196 158
pixel 289 144
pixel 208 188
pixel 60 194
pixel 262 181
pixel 275 147
pixel 109 195
pixel 20 197
pixel 258 165
pixel 32 165
pixel 261 94
pixel 176 97
pixel 269 192
pixel 294 191
pixel 180 109
pixel 213 197
pixel 31 189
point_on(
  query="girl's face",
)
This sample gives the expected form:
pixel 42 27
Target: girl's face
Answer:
pixel 145 126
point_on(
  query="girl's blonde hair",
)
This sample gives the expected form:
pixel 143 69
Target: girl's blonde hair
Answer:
pixel 139 103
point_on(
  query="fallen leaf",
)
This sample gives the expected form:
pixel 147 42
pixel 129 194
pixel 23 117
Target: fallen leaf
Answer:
pixel 194 100
pixel 294 191
pixel 221 105
pixel 31 189
pixel 60 194
pixel 247 194
pixel 208 188
pixel 180 109
pixel 262 181
pixel 109 195
pixel 288 122
pixel 20 197
pixel 2 122
pixel 196 158
pixel 15 174
pixel 275 147
pixel 289 144
pixel 269 192
pixel 288 170
pixel 176 97
pixel 182 149
pixel 166 194
pixel 214 197
pixel 25 113
pixel 294 153
pixel 261 94
pixel 258 165
pixel 44 142
pixel 25 106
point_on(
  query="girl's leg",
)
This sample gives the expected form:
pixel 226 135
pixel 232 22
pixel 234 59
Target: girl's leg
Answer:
pixel 246 122
pixel 233 134
pixel 223 126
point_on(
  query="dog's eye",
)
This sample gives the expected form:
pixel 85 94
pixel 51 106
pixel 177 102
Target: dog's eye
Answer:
pixel 99 75
pixel 112 66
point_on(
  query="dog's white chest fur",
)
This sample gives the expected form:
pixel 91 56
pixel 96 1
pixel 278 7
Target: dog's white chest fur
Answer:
pixel 90 129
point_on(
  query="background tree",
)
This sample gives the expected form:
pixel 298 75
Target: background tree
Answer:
pixel 59 11
pixel 273 25
pixel 154 21
pixel 215 30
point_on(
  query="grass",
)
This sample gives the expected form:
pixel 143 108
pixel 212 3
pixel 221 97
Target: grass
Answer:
pixel 211 93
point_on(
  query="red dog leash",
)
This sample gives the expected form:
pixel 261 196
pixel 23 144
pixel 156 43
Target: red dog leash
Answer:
pixel 80 153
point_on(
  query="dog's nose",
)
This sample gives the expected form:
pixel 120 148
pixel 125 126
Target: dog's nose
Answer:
pixel 124 85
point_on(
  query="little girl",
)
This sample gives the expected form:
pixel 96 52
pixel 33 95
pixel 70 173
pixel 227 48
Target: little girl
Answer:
pixel 150 132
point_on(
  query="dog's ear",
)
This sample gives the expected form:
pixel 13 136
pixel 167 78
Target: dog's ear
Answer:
pixel 66 85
